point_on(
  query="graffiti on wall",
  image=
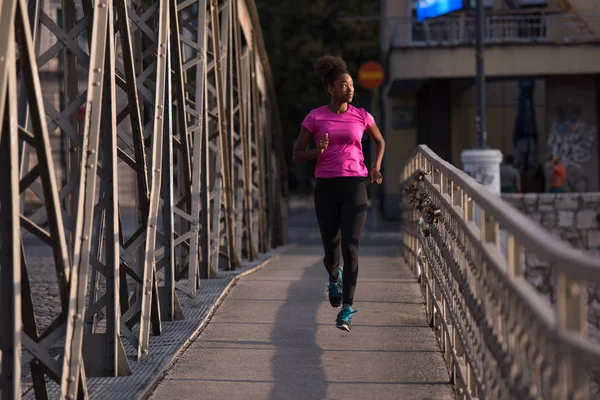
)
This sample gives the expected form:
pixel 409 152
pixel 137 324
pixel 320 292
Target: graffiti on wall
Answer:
pixel 482 174
pixel 572 140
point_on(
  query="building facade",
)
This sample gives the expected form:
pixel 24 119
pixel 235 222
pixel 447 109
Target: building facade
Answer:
pixel 541 64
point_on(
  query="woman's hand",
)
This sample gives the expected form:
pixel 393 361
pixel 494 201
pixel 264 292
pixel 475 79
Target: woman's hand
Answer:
pixel 323 143
pixel 376 176
pixel 301 152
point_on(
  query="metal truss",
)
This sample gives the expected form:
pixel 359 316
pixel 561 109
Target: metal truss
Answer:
pixel 174 93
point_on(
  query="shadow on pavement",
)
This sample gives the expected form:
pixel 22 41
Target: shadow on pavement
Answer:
pixel 296 364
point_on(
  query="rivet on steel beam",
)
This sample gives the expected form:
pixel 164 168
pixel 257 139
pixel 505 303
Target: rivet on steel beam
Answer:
pixel 70 397
pixel 71 379
pixel 97 69
pixel 101 5
pixel 96 84
pixel 84 237
pixel 145 351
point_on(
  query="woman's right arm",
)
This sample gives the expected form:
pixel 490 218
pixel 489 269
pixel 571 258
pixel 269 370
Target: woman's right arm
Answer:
pixel 301 155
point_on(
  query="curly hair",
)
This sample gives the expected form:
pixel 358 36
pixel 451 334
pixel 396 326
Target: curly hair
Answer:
pixel 329 68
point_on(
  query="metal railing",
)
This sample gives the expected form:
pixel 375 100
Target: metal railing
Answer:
pixel 199 131
pixel 504 29
pixel 500 338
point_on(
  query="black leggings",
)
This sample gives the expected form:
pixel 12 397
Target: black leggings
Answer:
pixel 341 205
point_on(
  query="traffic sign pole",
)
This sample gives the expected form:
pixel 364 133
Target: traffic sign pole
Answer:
pixel 371 76
pixel 374 196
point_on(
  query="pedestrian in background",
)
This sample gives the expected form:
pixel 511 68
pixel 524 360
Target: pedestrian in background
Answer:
pixel 510 177
pixel 558 174
pixel 340 193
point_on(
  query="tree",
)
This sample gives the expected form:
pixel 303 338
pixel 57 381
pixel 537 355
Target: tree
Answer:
pixel 296 33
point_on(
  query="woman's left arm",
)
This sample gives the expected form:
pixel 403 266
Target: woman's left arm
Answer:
pixel 375 173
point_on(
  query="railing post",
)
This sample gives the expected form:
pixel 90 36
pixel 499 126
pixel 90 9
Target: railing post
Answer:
pixel 490 231
pixel 515 258
pixel 571 317
pixel 427 282
pixel 411 256
pixel 467 208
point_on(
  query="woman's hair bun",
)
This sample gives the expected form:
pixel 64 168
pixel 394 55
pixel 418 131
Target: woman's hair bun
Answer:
pixel 327 64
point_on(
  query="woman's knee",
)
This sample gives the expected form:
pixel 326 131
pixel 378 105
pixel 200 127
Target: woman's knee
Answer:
pixel 350 252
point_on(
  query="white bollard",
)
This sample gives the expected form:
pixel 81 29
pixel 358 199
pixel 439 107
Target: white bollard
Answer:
pixel 484 166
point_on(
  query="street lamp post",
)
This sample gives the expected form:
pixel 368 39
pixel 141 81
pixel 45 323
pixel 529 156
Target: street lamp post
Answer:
pixel 482 163
pixel 480 76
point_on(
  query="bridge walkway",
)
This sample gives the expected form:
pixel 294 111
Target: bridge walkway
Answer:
pixel 274 336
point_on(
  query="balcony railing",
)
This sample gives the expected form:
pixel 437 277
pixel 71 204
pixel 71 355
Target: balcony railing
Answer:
pixel 505 29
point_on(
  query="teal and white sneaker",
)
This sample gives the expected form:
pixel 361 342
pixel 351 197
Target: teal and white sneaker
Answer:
pixel 344 317
pixel 335 290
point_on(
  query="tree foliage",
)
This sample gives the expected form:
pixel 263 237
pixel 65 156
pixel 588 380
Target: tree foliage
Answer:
pixel 296 33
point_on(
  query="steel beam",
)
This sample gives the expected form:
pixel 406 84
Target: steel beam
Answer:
pixel 218 53
pixel 174 103
pixel 82 239
pixel 149 283
pixel 10 240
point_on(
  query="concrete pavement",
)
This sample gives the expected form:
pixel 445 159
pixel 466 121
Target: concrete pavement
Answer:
pixel 274 338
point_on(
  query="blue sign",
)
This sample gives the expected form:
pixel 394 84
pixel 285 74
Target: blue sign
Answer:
pixel 435 8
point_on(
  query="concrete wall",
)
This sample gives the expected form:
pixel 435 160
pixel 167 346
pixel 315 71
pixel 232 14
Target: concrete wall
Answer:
pixel 589 11
pixel 500 61
pixel 572 121
pixel 394 11
pixel 573 217
pixel 400 146
pixel 502 100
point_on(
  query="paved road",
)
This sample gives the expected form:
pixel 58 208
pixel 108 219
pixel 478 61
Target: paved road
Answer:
pixel 274 338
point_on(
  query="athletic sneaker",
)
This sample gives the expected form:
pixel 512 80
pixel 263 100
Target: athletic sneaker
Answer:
pixel 335 291
pixel 344 317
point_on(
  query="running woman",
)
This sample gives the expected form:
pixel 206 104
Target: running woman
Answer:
pixel 340 192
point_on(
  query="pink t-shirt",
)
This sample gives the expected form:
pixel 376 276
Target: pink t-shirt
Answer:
pixel 344 155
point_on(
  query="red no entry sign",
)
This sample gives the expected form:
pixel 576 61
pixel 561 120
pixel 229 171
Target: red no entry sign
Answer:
pixel 370 75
